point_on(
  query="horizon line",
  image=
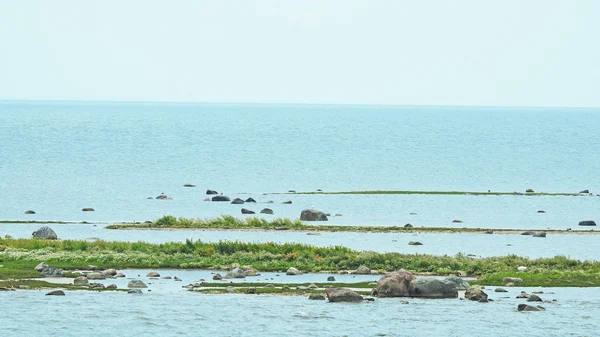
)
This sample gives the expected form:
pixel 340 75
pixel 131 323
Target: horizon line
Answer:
pixel 287 103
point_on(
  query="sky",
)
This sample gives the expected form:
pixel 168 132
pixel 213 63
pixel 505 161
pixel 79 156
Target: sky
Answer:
pixel 444 52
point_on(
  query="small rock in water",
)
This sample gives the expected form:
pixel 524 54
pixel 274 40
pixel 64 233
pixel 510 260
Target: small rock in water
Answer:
pixel 457 221
pixel 153 274
pixel 541 211
pixel 30 212
pixel 56 293
pixel 529 190
pixel 266 211
pixel 211 192
pixel 587 223
pixel 250 200
pixel 87 209
pixel 189 185
pixel 247 211
pixel 539 235
pixel 317 297
pixel 135 291
pixel 408 226
pixel 331 279
pixel 415 243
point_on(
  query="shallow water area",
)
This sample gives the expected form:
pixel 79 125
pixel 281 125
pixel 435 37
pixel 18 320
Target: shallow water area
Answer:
pixel 172 314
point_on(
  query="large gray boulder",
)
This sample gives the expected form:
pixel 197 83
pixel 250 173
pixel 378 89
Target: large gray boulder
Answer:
pixel 45 233
pixel 363 270
pixel 342 295
pixel 220 198
pixel 460 283
pixel 96 276
pixel 525 307
pixel 587 223
pixel 41 266
pixel 81 281
pixel 235 273
pixel 237 201
pixel 136 284
pixel 433 288
pixel 53 272
pixel 476 293
pixel 312 215
pixel 395 284
pixel 293 271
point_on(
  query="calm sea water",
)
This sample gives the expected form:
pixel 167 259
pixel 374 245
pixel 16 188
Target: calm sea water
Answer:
pixel 57 158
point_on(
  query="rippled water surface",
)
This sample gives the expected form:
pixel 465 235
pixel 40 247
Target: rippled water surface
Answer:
pixel 163 313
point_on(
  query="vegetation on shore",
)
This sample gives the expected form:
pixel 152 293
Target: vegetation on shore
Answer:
pixel 19 256
pixel 441 193
pixel 232 223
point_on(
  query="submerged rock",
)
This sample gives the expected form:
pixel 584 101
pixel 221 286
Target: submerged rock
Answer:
pixel 237 201
pixel 56 293
pixel 312 215
pixel 247 211
pixel 153 274
pixel 415 243
pixel 45 233
pixel 189 185
pixel 135 291
pixel 539 235
pixel 525 307
pixel 30 212
pixel 220 198
pixel 89 209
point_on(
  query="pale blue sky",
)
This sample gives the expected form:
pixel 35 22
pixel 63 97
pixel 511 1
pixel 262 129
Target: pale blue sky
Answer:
pixel 509 52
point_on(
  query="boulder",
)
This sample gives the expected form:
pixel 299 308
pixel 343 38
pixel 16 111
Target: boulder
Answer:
pixel 45 233
pixel 96 286
pixel 89 209
pixel 189 185
pixel 363 270
pixel 476 293
pixel 293 271
pixel 135 292
pixel 395 284
pixel 95 276
pixel 53 272
pixel 460 283
pixel 206 199
pixel 529 190
pixel 512 280
pixel 250 271
pixel 56 293
pixel 236 201
pixel 432 288
pixel 166 277
pixel 250 200
pixel 523 295
pixel 312 215
pixel 136 284
pixel 539 235
pixel 331 279
pixel 457 221
pixel 211 192
pixel 41 266
pixel 220 198
pixel 29 212
pixel 81 281
pixel 109 272
pixel 153 274
pixel 217 277
pixel 342 295
pixel 488 231
pixel 534 298
pixel 163 196
pixel 585 191
pixel 318 297
pixel 111 286
pixel 541 211
pixel 177 279
pixel 247 211
pixel 527 233
pixel 525 307
pixel 408 226
pixel 289 202
pixel 500 290
pixel 251 291
pixel 120 275
pixel 587 223
pixel 414 243
pixel 266 211
pixel 235 273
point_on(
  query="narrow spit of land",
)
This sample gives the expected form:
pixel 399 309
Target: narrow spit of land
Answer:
pixel 284 224
pixel 18 257
pixel 532 194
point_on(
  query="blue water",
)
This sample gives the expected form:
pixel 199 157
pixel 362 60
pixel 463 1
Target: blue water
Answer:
pixel 57 158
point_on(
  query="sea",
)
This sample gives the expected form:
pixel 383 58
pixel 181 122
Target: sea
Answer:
pixel 57 158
